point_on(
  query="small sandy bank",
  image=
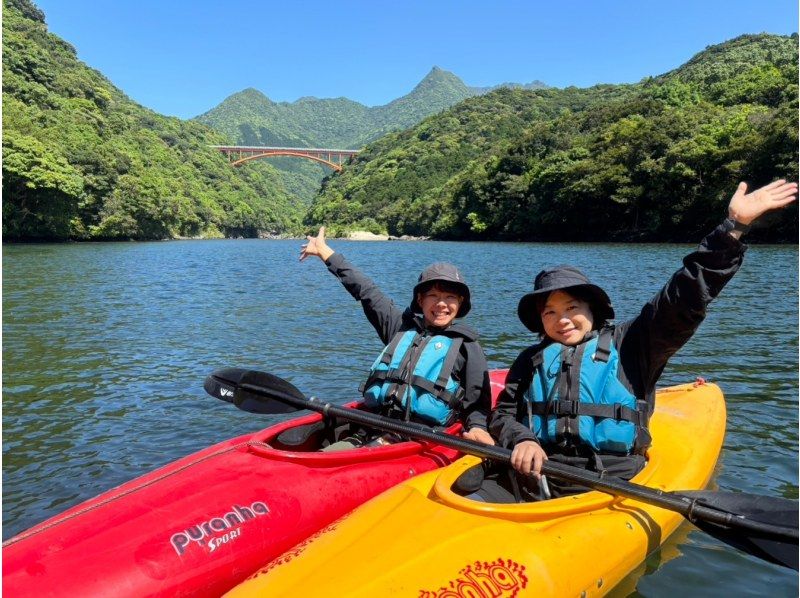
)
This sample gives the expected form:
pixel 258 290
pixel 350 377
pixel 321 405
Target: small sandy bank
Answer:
pixel 363 235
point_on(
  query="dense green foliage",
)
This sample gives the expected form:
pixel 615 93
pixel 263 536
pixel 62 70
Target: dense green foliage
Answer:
pixel 400 183
pixel 251 118
pixel 656 160
pixel 82 161
pixel 653 161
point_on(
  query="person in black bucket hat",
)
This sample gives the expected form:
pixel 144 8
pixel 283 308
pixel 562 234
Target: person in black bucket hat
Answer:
pixel 565 278
pixel 432 369
pixel 583 393
pixel 445 276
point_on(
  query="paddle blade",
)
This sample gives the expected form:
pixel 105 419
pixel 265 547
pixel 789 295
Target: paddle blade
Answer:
pixel 776 542
pixel 221 384
pixel 260 392
pixel 263 392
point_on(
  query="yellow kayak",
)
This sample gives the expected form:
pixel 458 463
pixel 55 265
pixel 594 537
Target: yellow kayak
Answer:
pixel 420 539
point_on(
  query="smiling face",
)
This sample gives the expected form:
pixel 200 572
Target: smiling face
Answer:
pixel 439 306
pixel 566 319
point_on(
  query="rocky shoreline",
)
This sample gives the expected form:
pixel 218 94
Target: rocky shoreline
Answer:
pixel 363 235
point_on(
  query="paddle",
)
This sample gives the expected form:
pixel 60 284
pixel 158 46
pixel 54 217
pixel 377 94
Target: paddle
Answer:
pixel 763 526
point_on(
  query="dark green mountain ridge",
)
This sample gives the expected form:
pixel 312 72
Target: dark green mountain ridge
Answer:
pixel 656 160
pixel 249 117
pixel 82 161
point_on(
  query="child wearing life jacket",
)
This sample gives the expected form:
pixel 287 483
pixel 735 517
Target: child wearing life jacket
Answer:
pixel 584 393
pixel 432 370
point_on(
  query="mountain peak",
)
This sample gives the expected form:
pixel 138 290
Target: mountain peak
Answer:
pixel 440 78
pixel 437 73
pixel 251 92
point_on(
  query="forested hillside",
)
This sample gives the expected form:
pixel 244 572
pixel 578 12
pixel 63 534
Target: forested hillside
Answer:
pixel 82 161
pixel 657 160
pixel 251 118
pixel 652 161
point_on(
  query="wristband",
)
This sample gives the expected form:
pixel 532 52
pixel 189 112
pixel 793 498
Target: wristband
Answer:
pixel 734 225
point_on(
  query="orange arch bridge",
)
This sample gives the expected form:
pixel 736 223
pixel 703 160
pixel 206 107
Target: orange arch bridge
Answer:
pixel 239 154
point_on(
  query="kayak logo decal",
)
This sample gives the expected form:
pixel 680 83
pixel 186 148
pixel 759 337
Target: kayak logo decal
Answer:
pixel 502 577
pixel 218 530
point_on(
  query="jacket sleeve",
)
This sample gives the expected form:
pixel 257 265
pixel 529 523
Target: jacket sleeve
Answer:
pixel 379 309
pixel 506 422
pixel 477 401
pixel 669 319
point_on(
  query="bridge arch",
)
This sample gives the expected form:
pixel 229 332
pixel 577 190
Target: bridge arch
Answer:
pixel 332 158
pixel 336 167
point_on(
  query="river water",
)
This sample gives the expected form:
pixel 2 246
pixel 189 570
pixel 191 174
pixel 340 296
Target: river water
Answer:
pixel 105 348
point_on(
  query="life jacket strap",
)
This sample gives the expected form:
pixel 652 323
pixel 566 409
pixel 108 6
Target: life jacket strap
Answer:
pixel 449 363
pixel 386 359
pixel 602 351
pixel 399 381
pixel 568 384
pixel 451 398
pixel 615 411
pixel 392 375
pixel 390 349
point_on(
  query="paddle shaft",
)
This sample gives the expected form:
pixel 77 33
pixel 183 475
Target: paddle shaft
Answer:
pixel 686 506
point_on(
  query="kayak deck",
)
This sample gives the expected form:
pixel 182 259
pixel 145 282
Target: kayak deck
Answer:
pixel 203 523
pixel 421 539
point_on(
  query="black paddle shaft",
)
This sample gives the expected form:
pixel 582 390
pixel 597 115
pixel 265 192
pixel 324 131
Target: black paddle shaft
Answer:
pixel 686 506
pixel 763 526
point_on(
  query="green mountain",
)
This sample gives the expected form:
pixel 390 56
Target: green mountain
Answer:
pixel 533 85
pixel 251 118
pixel 656 160
pixel 438 91
pixel 83 161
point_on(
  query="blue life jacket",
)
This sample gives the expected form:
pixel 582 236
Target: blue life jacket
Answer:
pixel 413 375
pixel 575 398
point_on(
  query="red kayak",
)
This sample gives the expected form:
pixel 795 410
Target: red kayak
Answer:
pixel 202 524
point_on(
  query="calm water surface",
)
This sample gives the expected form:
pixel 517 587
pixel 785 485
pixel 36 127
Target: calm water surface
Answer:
pixel 105 348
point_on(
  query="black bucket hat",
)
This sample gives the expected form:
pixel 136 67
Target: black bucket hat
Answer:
pixel 562 278
pixel 443 272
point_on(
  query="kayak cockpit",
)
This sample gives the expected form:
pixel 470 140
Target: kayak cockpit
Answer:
pixel 302 440
pixel 530 511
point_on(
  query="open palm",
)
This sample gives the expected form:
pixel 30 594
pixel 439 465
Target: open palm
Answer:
pixel 746 207
pixel 316 246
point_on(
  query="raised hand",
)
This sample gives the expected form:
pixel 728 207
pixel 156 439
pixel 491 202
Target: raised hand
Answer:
pixel 746 207
pixel 316 246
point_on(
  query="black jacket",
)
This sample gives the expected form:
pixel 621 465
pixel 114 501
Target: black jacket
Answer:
pixel 646 342
pixel 470 368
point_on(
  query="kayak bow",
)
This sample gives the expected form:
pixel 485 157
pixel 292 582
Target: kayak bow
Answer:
pixel 202 524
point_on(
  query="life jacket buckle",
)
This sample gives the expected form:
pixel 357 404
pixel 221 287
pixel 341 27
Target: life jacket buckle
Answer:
pixel 562 408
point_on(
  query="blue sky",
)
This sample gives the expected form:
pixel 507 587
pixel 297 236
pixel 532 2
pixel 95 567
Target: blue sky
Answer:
pixel 182 58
